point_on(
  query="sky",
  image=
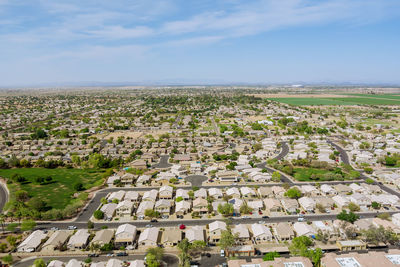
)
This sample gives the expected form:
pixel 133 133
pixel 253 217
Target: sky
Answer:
pixel 199 41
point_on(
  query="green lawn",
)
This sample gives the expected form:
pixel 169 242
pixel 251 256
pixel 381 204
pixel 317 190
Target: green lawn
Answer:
pixel 59 193
pixel 304 174
pixel 309 101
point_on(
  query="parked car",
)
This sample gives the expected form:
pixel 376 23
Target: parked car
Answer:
pixel 149 225
pixel 153 220
pixel 72 227
pixel 222 253
pixel 182 226
pixel 265 217
pixel 122 254
pixel 93 255
pixel 54 228
pixel 110 255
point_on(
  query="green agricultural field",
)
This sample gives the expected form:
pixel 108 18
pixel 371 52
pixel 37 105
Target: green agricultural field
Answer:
pixel 305 101
pixel 58 193
pixel 312 101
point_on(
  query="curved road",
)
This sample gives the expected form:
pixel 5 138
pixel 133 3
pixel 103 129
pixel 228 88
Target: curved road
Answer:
pixel 280 156
pixel 3 197
pixel 345 158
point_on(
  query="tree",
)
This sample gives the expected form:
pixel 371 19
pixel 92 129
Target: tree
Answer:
pixel 375 205
pixel 39 263
pixel 293 192
pixel 384 216
pixel 245 209
pixel 98 214
pixel 369 181
pixel 227 239
pixel 37 204
pixel 8 259
pixel 90 224
pixel 320 207
pixel 157 252
pixel 79 187
pixel 28 225
pixel 3 247
pixel 225 209
pixel 184 257
pixel 12 240
pixel 315 256
pixel 270 256
pixel 348 217
pixel 276 176
pixel 299 245
pixel 353 207
pixel 178 199
pixel 376 235
pixel 151 213
pixel 151 260
pixel 21 195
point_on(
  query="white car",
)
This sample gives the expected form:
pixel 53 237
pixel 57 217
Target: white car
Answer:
pixel 222 253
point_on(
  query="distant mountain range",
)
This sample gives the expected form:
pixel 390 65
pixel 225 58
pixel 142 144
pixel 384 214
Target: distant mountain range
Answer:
pixel 189 82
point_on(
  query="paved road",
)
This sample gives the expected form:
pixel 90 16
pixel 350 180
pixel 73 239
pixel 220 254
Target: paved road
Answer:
pixel 169 259
pixel 284 151
pixel 216 128
pixel 196 180
pixel 163 164
pixel 343 154
pixel 3 197
pixel 172 223
pixel 345 158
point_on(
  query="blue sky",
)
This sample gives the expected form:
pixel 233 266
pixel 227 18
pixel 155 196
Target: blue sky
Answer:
pixel 260 41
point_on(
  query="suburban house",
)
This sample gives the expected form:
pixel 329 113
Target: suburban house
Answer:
pixel 32 242
pixel 200 205
pixel 109 210
pixel 182 207
pixel 261 233
pixel 103 237
pixel 290 205
pixel 150 195
pixel 283 232
pixel 304 229
pixel 124 208
pixel 242 233
pixel 165 192
pixel 215 193
pixel 79 240
pixel 195 233
pixel 56 240
pixel 171 237
pixel 202 192
pixel 307 204
pixel 149 237
pixel 163 206
pixel 125 235
pixel 215 229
